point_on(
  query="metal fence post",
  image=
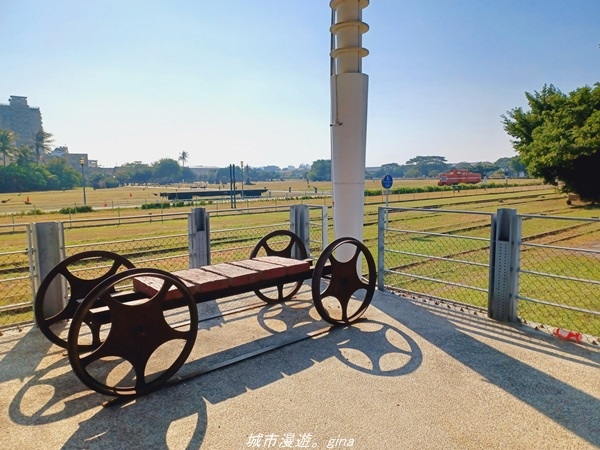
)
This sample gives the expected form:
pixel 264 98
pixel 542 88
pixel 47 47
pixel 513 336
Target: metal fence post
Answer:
pixel 504 265
pixel 381 221
pixel 300 225
pixel 48 252
pixel 324 227
pixel 199 238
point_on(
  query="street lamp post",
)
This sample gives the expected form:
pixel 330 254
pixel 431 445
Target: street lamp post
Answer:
pixel 82 162
pixel 242 167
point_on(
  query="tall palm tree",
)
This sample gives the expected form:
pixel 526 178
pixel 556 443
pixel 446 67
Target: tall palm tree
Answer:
pixel 7 138
pixel 183 157
pixel 23 155
pixel 42 144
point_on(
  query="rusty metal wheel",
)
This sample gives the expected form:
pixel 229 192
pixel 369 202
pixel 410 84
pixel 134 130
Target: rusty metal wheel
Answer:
pixel 285 244
pixel 342 294
pixel 63 280
pixel 142 344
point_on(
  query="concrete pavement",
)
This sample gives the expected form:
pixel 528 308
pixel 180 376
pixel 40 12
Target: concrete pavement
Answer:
pixel 414 375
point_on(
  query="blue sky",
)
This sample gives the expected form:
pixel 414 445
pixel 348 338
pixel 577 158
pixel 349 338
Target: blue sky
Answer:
pixel 238 80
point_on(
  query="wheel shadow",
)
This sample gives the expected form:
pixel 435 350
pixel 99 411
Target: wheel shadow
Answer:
pixel 372 347
pixel 294 341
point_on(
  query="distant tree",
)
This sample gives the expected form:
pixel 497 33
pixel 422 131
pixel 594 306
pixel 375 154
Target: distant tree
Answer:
pixel 320 170
pixel 135 172
pixel 64 176
pixel 183 157
pixel 23 155
pixel 558 138
pixel 518 165
pixel 96 180
pixel 188 175
pixel 7 139
pixel 223 175
pixel 166 170
pixel 393 169
pixel 30 177
pixel 42 144
pixel 463 165
pixel 425 164
pixel 122 176
pixel 100 180
pixel 485 169
pixel 413 172
pixel 505 166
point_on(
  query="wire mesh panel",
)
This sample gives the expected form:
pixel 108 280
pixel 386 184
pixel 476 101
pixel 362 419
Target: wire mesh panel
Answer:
pixel 161 244
pixel 318 229
pixel 234 234
pixel 15 278
pixel 559 282
pixel 437 253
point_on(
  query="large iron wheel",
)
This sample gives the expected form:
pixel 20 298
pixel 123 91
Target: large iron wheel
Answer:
pixel 144 344
pixel 342 294
pixel 280 243
pixel 53 323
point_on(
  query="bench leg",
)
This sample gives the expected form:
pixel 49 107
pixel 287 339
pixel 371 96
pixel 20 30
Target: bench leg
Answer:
pixel 342 294
pixel 286 244
pixel 97 265
pixel 141 345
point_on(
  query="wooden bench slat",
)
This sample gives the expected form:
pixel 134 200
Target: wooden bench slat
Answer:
pixel 202 280
pixel 237 276
pixel 151 285
pixel 266 269
pixel 293 266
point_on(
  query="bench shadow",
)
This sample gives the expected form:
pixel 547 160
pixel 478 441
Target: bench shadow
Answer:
pixel 178 413
pixel 369 346
pixel 566 405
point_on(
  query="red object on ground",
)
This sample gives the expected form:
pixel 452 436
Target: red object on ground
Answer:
pixel 568 335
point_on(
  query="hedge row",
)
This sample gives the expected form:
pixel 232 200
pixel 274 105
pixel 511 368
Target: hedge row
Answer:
pixel 76 209
pixel 178 204
pixel 421 189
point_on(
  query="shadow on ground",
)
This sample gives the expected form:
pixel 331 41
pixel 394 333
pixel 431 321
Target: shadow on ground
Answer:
pixel 445 326
pixel 52 394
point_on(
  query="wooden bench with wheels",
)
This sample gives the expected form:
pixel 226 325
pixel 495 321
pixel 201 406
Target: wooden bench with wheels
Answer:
pixel 129 331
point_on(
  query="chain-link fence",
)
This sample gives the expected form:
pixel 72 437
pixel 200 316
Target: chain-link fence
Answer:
pixel 438 253
pixel 319 229
pixel 159 241
pixel 559 281
pixel 15 276
pixel 234 233
pixel 446 255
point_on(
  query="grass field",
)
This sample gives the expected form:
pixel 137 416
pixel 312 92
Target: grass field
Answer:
pixel 23 204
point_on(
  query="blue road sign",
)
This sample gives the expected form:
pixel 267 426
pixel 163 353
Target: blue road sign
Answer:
pixel 387 182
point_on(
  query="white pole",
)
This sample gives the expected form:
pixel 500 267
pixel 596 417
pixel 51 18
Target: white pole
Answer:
pixel 349 87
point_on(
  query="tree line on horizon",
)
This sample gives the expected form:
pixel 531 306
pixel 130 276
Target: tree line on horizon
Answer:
pixel 557 138
pixel 427 167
